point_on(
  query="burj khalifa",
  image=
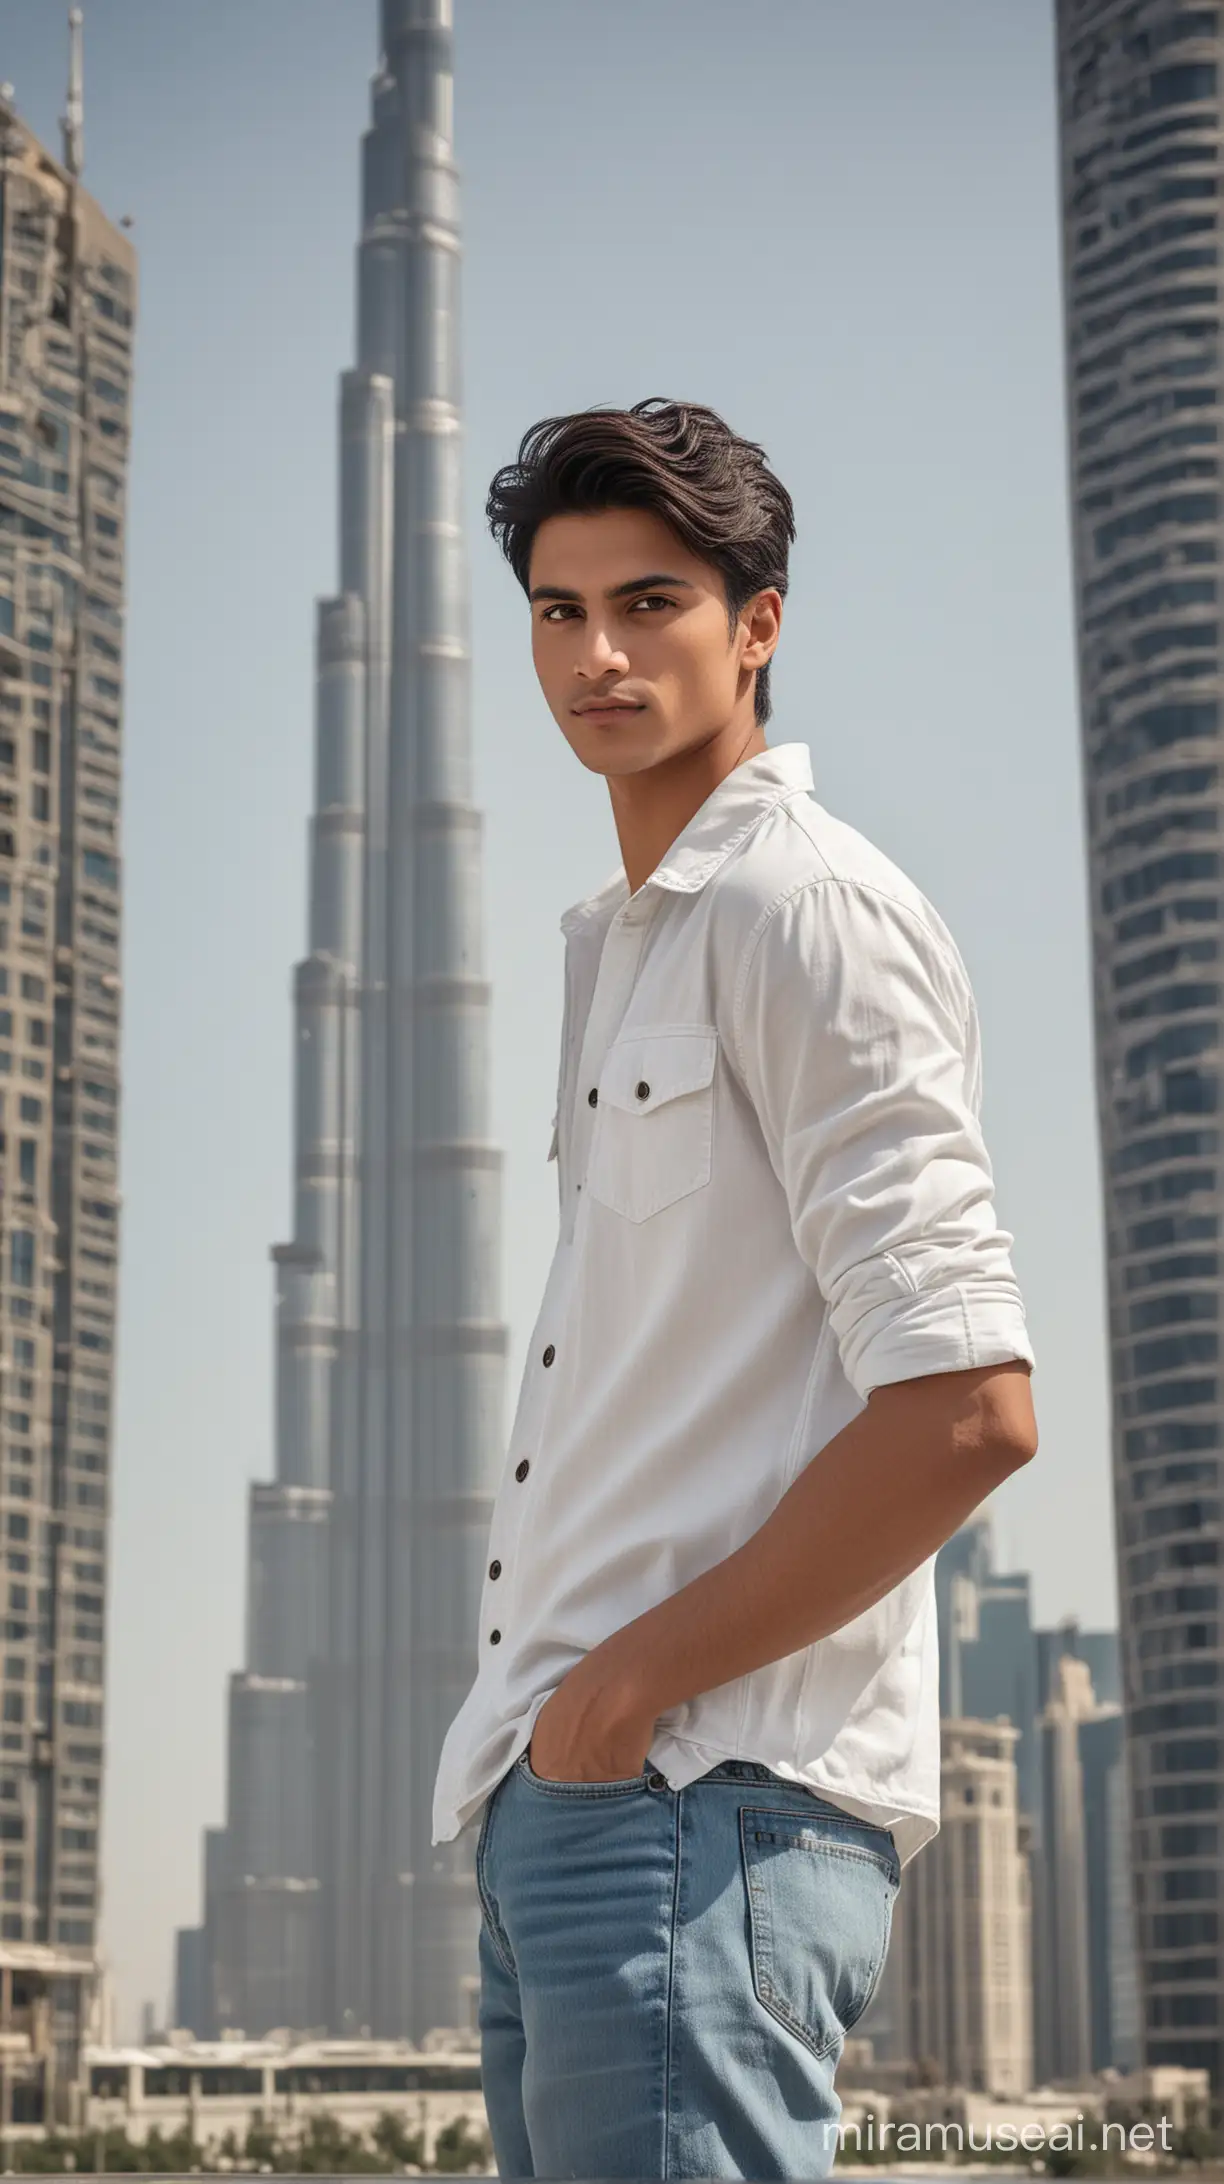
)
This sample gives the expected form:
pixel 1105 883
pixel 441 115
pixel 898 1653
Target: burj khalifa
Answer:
pixel 325 1905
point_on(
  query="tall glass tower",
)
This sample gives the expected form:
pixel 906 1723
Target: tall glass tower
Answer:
pixel 1139 101
pixel 67 319
pixel 325 1903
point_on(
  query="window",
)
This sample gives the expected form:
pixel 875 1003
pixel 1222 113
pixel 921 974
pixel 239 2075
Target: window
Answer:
pixel 21 1258
pixel 162 2083
pixel 100 868
pixel 29 1163
pixel 42 751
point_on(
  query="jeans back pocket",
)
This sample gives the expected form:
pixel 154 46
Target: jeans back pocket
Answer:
pixel 820 1900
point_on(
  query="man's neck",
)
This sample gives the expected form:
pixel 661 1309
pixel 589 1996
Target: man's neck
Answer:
pixel 652 809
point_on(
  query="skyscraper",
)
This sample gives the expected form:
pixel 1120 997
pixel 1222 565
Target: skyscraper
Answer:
pixel 1139 104
pixel 67 313
pixel 327 1903
pixel 958 1976
pixel 988 1646
pixel 1111 1922
pixel 1060 1690
pixel 1064 2048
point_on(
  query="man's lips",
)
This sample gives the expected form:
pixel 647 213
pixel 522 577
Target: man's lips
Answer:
pixel 612 705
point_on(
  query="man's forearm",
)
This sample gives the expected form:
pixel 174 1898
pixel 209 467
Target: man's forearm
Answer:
pixel 883 1495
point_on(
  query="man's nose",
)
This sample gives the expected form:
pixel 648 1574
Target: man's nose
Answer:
pixel 599 653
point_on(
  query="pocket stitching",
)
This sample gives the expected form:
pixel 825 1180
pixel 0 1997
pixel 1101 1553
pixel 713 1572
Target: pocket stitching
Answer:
pixel 639 1044
pixel 621 1786
pixel 665 1193
pixel 873 1978
pixel 760 1929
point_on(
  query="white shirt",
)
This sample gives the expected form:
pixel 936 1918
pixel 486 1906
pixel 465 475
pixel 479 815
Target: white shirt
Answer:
pixel 774 1197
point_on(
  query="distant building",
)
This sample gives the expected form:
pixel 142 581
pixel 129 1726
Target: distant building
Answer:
pixel 1086 1985
pixel 990 1666
pixel 1139 108
pixel 1064 2015
pixel 330 1906
pixel 67 314
pixel 957 1993
pixel 1099 1650
pixel 996 1663
pixel 1112 1968
pixel 227 2085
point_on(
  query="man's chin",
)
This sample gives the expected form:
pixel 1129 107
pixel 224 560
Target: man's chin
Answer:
pixel 619 750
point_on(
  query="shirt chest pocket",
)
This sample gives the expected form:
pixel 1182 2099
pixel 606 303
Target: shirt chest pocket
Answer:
pixel 654 1128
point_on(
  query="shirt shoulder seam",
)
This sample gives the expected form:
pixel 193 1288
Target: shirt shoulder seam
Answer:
pixel 812 880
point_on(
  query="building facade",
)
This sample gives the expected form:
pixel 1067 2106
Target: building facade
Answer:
pixel 326 1905
pixel 67 317
pixel 1065 2027
pixel 988 1657
pixel 1059 1689
pixel 1112 1982
pixel 214 2088
pixel 1140 136
pixel 957 1992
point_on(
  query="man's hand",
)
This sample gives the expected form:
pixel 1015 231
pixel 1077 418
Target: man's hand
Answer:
pixel 595 1727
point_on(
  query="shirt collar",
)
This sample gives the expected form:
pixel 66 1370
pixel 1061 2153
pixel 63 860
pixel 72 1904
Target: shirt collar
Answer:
pixel 730 812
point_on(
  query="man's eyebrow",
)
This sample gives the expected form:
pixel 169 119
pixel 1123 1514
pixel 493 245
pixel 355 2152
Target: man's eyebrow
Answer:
pixel 616 591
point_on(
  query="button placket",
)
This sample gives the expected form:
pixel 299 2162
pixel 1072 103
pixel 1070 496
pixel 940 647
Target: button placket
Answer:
pixel 614 983
pixel 619 961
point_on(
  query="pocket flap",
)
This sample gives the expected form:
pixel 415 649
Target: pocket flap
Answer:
pixel 648 1068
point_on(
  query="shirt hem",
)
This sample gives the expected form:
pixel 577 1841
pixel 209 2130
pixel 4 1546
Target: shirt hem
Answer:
pixel 683 1760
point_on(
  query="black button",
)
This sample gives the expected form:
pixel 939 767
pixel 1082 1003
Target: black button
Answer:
pixel 549 1354
pixel 521 1470
pixel 495 1569
pixel 593 1096
pixel 494 1637
pixel 656 1782
pixel 643 1091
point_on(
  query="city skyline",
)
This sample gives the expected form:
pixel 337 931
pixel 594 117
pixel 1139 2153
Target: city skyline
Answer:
pixel 925 650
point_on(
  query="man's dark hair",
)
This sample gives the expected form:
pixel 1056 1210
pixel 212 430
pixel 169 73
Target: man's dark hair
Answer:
pixel 676 459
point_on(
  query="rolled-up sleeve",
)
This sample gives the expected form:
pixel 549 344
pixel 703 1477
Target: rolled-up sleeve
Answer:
pixel 856 1036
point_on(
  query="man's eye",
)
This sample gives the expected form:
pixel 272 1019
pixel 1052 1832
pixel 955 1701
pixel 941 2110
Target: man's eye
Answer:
pixel 565 607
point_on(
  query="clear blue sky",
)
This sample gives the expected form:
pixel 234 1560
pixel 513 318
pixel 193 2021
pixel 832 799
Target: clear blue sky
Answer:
pixel 837 224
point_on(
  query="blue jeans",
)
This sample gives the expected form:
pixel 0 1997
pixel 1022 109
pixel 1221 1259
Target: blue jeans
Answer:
pixel 667 1977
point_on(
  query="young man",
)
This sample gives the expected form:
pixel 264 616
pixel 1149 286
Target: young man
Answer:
pixel 781 1357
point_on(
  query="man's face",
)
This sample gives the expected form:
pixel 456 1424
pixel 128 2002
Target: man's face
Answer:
pixel 660 641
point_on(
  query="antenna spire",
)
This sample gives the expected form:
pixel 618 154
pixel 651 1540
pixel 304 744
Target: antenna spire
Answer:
pixel 73 121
